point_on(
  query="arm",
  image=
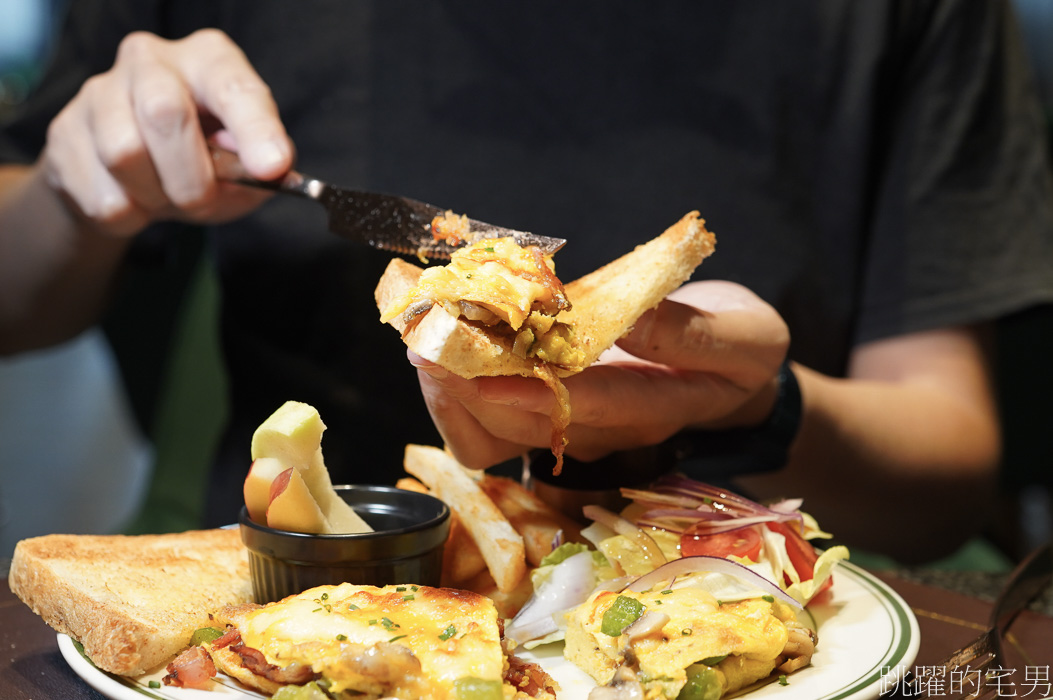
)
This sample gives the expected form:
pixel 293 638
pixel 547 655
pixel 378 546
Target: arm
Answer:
pixel 128 150
pixel 904 452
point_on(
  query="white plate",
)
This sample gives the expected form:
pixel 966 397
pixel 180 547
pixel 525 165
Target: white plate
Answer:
pixel 864 630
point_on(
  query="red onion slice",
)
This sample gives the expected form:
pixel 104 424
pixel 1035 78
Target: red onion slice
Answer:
pixel 718 565
pixel 677 503
pixel 710 527
pixel 788 505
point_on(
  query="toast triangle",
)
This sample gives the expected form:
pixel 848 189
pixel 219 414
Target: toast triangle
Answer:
pixel 132 601
pixel 605 304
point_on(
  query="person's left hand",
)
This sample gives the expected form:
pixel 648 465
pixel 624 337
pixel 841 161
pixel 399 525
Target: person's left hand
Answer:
pixel 705 357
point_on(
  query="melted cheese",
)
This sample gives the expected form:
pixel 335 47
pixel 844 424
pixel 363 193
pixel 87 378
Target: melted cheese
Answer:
pixel 496 274
pixel 751 633
pixel 319 625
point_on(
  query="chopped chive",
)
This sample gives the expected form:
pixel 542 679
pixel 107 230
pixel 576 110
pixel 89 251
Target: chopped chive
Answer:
pixel 667 591
pixel 448 632
pixel 769 598
pixel 782 680
pixel 686 632
pixel 352 606
pixel 400 636
pixel 154 684
pixel 341 637
pixel 400 589
pixel 408 597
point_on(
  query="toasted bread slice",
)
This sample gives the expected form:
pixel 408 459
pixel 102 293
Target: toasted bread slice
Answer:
pixel 132 601
pixel 605 305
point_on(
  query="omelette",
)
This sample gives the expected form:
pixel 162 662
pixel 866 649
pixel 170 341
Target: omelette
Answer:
pixel 683 642
pixel 375 642
pixel 504 287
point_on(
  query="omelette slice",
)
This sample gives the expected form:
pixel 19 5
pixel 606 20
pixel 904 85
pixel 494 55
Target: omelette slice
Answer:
pixel 683 642
pixel 367 642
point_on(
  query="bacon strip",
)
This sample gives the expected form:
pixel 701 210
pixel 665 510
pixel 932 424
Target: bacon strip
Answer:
pixel 295 674
pixel 231 636
pixel 191 669
pixel 529 678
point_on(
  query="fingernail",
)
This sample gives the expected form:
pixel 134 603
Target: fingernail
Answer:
pixel 433 371
pixel 267 155
pixel 641 332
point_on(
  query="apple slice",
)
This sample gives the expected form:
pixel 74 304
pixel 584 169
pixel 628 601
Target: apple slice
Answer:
pixel 292 507
pixel 257 487
pixel 293 435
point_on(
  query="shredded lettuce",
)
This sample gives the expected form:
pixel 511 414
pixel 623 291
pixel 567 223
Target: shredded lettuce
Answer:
pixel 774 552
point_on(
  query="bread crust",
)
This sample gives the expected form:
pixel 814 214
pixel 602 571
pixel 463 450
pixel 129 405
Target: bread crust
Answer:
pixel 132 601
pixel 605 305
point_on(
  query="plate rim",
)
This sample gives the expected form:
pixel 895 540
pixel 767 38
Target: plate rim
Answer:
pixel 906 645
pixel 901 652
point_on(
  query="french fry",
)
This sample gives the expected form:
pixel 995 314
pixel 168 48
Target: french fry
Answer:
pixel 507 604
pixel 531 517
pixel 408 484
pixel 461 558
pixel 501 546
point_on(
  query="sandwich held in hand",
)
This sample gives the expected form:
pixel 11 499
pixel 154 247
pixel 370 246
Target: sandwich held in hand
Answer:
pixel 499 309
pixel 288 485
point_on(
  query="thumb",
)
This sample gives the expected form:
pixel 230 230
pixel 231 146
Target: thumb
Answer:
pixel 744 343
pixel 672 334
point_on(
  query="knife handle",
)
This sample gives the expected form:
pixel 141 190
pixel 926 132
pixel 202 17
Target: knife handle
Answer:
pixel 228 168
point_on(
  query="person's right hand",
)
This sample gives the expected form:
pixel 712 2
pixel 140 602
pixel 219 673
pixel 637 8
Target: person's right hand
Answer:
pixel 131 147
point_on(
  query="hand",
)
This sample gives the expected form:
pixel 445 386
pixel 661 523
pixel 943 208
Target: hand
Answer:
pixel 130 148
pixel 705 357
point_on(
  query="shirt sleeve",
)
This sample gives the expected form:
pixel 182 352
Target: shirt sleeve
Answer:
pixel 962 226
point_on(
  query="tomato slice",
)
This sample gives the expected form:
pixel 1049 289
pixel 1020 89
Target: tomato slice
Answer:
pixel 802 555
pixel 743 542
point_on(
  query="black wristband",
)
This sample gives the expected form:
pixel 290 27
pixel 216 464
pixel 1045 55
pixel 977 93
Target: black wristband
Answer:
pixel 710 454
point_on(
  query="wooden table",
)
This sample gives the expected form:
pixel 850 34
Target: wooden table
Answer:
pixel 31 667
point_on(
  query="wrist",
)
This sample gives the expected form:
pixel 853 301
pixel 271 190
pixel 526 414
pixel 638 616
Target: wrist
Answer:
pixel 752 449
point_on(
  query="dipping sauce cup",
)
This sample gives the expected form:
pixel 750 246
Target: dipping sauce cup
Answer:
pixel 406 546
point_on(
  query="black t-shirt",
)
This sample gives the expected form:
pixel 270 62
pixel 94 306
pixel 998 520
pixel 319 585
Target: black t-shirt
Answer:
pixel 870 169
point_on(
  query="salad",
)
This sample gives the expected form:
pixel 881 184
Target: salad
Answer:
pixel 678 533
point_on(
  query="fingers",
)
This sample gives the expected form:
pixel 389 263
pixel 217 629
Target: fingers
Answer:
pixel 74 168
pixel 449 400
pixel 716 327
pixel 168 126
pixel 225 85
pixel 708 359
pixel 131 147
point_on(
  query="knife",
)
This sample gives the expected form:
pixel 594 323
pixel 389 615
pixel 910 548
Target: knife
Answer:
pixel 389 222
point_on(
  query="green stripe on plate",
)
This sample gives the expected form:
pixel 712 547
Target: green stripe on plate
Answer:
pixel 901 627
